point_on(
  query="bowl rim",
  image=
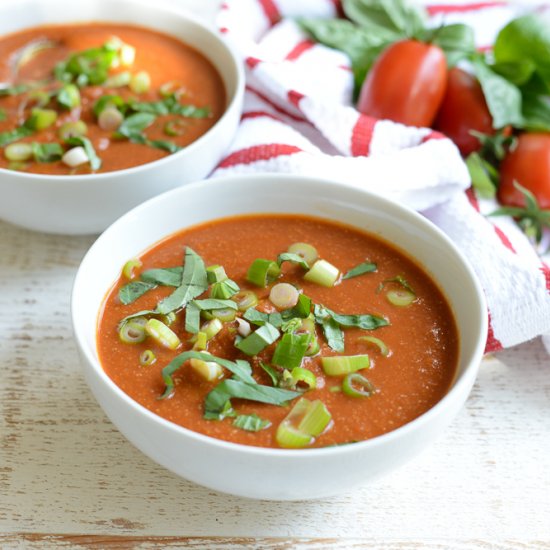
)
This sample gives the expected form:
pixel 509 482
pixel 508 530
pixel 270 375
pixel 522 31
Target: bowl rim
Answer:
pixel 461 382
pixel 233 100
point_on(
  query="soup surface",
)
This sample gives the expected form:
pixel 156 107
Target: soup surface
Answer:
pixel 124 95
pixel 384 383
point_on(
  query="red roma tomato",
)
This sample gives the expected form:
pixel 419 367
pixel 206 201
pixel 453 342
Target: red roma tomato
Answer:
pixel 406 84
pixel 464 109
pixel 529 165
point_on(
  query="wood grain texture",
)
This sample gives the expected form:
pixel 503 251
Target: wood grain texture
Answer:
pixel 65 469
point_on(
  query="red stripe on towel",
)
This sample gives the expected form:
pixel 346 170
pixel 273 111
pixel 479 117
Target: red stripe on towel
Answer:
pixel 299 49
pixel 493 344
pixel 460 8
pixel 258 152
pixel 545 268
pixel 294 97
pixel 271 11
pixel 274 105
pixel 258 114
pixel 361 135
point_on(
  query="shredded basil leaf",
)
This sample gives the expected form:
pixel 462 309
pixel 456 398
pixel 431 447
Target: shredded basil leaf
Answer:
pixel 294 258
pixel 251 422
pixel 3 115
pixel 132 291
pixel 217 399
pixel 194 283
pixel 46 152
pixel 272 373
pixel 361 269
pixel 169 276
pixel 260 318
pixel 14 135
pixel 192 318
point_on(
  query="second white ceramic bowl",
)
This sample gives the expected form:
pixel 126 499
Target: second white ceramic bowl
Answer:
pixel 89 203
pixel 276 473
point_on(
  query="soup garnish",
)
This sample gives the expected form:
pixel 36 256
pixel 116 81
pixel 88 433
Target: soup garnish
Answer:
pixel 74 93
pixel 261 346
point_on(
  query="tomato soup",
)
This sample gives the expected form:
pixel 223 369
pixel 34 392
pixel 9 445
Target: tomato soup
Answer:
pixel 120 95
pixel 279 331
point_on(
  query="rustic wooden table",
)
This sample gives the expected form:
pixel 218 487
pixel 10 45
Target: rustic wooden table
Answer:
pixel 68 479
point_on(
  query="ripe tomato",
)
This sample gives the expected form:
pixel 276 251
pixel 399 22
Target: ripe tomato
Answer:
pixel 406 84
pixel 528 164
pixel 464 109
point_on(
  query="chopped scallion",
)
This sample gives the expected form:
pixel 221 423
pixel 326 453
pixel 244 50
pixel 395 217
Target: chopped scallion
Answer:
pixel 263 272
pixel 147 358
pixel 284 295
pixel 303 376
pixel 306 421
pixel 356 385
pixel 133 331
pixel 290 350
pixel 129 268
pixel 162 334
pixel 338 365
pixel 245 299
pixel 384 350
pixel 323 273
pixel 216 274
pixel 258 340
pixel 305 251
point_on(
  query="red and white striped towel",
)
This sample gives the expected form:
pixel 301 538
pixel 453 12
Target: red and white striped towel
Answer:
pixel 299 118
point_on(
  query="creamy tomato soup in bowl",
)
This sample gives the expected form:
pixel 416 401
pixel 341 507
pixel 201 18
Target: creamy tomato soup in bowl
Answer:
pixel 278 337
pixel 104 104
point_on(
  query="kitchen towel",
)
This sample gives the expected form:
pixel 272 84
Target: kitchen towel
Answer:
pixel 299 118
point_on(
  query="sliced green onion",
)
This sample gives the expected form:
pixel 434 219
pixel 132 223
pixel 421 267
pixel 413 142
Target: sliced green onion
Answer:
pixel 212 328
pixel 322 273
pixel 243 327
pixel 69 96
pixel 118 80
pixel 384 350
pixel 133 331
pixel 72 129
pixel 170 88
pixel 284 295
pixel 207 369
pixel 339 365
pixel 41 119
pixel 245 299
pixel 147 358
pixel 356 385
pixel 201 341
pixel 225 314
pixel 169 318
pixel 290 350
pixel 224 289
pixel 258 340
pixel 305 376
pixel 307 326
pixel 305 251
pixel 18 166
pixel 215 274
pixel 306 421
pixel 130 266
pixel 127 55
pixel 263 272
pixel 175 127
pixel 18 151
pixel 400 297
pixel 140 82
pixel 110 119
pixel 162 334
pixel 40 98
pixel 75 157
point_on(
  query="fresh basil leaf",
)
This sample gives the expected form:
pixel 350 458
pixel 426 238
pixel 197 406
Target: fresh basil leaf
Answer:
pixel 192 318
pixel 503 98
pixel 132 291
pixel 516 72
pixel 46 152
pixel 170 105
pixel 251 422
pixel 290 257
pixel 164 145
pixel 333 334
pixel 241 369
pixel 88 66
pixel 134 125
pixel 3 115
pixel 361 269
pixel 216 400
pixel 403 18
pixel 536 112
pixel 292 325
pixel 210 304
pixel 223 290
pixel 169 276
pixel 95 161
pixel 456 40
pixel 481 173
pixel 14 135
pixel 399 280
pixel 260 318
pixel 525 38
pixel 193 283
pixel 15 90
pixel 271 372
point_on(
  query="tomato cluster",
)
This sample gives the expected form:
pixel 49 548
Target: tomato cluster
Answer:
pixel 410 83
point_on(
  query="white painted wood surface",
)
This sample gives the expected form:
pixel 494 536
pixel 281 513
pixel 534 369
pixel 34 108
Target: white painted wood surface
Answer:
pixel 69 479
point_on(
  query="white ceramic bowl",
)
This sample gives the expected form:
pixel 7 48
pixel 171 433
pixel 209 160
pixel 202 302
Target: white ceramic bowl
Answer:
pixel 275 473
pixel 89 203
